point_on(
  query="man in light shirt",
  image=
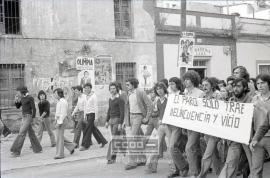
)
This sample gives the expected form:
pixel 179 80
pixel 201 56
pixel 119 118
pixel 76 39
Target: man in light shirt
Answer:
pixel 78 110
pixel 60 122
pixel 90 113
pixel 140 109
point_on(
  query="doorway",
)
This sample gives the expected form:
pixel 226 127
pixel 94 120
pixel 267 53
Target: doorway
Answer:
pixel 201 71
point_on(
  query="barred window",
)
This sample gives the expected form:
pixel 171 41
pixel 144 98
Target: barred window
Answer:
pixel 125 71
pixel 122 20
pixel 9 17
pixel 11 76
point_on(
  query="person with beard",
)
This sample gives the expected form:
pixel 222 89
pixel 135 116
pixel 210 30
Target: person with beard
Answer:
pixel 244 168
pixel 210 156
pixel 229 170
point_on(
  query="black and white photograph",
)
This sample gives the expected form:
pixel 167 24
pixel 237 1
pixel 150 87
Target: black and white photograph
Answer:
pixel 134 88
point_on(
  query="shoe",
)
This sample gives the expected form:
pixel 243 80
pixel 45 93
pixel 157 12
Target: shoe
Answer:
pixel 174 174
pixel 38 151
pixel 53 145
pixel 183 173
pixel 72 151
pixel 83 148
pixel 149 170
pixel 58 157
pixel 129 167
pixel 141 164
pixel 111 161
pixel 14 155
pixel 103 144
pixel 7 133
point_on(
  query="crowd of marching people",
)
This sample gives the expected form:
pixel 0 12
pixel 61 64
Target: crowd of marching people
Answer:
pixel 191 154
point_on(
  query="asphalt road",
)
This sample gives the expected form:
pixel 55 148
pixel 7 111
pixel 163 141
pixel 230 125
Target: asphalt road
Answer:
pixel 94 168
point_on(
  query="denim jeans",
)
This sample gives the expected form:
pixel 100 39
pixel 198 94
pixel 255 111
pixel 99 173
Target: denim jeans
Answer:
pixel 258 157
pixel 78 128
pixel 193 150
pixel 163 130
pixel 176 152
pixel 210 156
pixel 19 141
pixel 114 132
pixel 46 123
pixel 230 167
pixel 135 122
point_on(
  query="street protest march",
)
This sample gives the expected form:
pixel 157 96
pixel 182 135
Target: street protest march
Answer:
pixel 223 119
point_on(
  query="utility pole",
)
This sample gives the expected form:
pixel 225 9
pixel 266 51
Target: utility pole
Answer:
pixel 183 27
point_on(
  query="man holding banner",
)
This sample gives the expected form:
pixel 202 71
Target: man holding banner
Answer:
pixel 192 81
pixel 181 164
pixel 240 89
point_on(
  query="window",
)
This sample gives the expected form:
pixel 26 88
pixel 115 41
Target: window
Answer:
pixel 264 68
pixel 125 71
pixel 11 76
pixel 122 20
pixel 9 17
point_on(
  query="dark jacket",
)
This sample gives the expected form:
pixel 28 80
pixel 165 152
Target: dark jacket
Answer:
pixel 262 118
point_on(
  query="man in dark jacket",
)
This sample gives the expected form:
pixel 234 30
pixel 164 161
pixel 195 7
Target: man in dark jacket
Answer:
pixel 240 89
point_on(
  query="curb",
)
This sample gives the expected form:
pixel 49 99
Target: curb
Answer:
pixel 48 164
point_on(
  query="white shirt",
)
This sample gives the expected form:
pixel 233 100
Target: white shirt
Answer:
pixel 195 92
pixel 80 104
pixel 133 102
pixel 91 105
pixel 61 111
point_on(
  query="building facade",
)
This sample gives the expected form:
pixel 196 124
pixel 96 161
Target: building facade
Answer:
pixel 221 43
pixel 41 42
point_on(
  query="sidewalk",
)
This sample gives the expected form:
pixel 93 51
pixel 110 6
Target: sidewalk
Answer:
pixel 30 159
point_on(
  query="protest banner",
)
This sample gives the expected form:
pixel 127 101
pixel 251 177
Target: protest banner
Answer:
pixel 223 119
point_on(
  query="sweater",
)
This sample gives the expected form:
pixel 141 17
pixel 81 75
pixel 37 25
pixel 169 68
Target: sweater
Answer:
pixel 161 107
pixel 28 105
pixel 44 106
pixel 116 109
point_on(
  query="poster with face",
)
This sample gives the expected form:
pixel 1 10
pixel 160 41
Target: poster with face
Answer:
pixel 86 76
pixel 185 51
pixel 103 70
pixel 145 76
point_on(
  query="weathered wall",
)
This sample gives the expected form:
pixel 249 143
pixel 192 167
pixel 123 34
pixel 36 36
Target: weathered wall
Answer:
pixel 248 54
pixel 57 32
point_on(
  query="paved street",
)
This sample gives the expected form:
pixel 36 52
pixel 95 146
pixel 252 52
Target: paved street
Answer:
pixel 96 168
pixel 90 163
